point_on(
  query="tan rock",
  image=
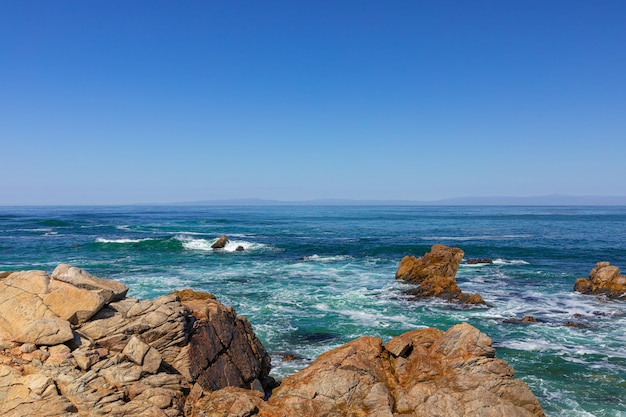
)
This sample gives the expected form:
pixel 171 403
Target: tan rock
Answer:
pixel 46 331
pixel 420 373
pixel 435 275
pixel 77 305
pixel 21 301
pixel 110 290
pixel 604 279
pixel 220 242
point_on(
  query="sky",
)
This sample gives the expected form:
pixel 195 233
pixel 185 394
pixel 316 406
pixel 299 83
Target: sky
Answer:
pixel 124 102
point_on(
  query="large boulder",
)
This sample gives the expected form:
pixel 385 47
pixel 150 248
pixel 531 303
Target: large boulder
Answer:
pixel 109 289
pixel 435 275
pixel 604 279
pixel 420 373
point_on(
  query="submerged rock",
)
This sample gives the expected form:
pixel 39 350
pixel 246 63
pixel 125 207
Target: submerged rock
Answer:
pixel 604 279
pixel 220 242
pixel 435 273
pixel 479 261
pixel 420 373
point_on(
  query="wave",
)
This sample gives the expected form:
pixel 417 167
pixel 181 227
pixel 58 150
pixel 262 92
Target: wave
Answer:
pixel 317 258
pixel 500 261
pixel 121 241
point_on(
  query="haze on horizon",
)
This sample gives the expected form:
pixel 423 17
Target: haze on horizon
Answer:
pixel 107 102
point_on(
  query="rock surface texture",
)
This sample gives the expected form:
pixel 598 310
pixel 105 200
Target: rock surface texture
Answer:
pixel 604 279
pixel 95 352
pixel 420 373
pixel 435 275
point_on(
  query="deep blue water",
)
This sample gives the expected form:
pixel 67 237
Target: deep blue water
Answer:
pixel 312 278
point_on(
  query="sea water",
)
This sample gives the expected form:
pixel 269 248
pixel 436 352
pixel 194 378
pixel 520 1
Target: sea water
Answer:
pixel 312 278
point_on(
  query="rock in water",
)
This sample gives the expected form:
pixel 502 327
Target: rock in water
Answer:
pixel 435 273
pixel 220 242
pixel 420 373
pixel 604 279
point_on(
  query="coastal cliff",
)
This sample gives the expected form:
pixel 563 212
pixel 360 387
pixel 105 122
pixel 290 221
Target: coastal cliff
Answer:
pixel 72 344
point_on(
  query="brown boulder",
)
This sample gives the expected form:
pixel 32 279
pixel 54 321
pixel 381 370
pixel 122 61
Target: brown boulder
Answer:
pixel 420 373
pixel 220 242
pixel 435 275
pixel 604 279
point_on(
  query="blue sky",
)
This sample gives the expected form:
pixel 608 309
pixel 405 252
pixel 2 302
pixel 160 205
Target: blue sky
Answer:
pixel 113 102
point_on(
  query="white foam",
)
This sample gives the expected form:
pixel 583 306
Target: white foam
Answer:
pixel 318 258
pixel 103 240
pixel 500 261
pixel 193 243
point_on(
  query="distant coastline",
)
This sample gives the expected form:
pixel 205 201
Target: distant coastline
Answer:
pixel 545 200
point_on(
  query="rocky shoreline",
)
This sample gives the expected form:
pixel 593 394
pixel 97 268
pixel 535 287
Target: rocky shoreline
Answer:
pixel 73 344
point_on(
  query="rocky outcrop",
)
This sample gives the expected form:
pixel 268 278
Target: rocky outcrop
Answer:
pixel 435 275
pixel 604 279
pixel 420 373
pixel 185 354
pixel 96 352
pixel 220 242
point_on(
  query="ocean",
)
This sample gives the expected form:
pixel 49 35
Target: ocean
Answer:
pixel 311 278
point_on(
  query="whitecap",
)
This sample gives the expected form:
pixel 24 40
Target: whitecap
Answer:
pixel 193 243
pixel 318 258
pixel 501 261
pixel 120 241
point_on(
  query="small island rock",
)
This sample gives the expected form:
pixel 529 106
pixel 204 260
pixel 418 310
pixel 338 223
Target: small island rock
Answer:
pixel 604 279
pixel 435 273
pixel 220 242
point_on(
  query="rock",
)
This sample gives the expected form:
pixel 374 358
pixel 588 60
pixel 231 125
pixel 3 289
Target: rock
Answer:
pixel 420 373
pixel 77 305
pixel 604 279
pixel 220 242
pixel 5 274
pixel 240 249
pixel 123 356
pixel 110 290
pixel 435 274
pixel 479 261
pixel 529 319
pixel 188 294
pixel 21 302
pixel 46 331
pixel 583 285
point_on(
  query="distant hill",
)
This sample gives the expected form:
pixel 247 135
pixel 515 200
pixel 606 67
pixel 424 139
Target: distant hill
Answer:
pixel 546 200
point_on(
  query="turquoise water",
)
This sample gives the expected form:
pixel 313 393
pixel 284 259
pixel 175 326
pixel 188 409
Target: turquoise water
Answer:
pixel 313 278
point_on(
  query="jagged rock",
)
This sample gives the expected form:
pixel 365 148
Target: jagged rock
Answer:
pixel 126 357
pixel 435 274
pixel 604 279
pixel 220 242
pixel 420 373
